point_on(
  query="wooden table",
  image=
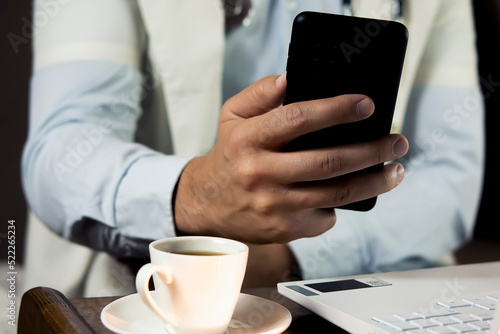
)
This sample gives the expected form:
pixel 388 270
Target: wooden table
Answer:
pixel 45 310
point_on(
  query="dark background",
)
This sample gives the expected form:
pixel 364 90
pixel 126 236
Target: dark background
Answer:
pixel 15 68
pixel 487 13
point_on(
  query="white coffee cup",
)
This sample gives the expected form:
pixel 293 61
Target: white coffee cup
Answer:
pixel 194 293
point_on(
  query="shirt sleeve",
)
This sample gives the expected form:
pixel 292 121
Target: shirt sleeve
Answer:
pixel 82 173
pixel 433 211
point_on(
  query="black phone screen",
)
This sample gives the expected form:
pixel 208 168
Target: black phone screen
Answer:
pixel 331 55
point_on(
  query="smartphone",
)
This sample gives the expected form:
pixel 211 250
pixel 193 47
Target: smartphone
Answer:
pixel 331 55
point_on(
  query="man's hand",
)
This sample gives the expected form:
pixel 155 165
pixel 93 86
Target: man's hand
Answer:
pixel 247 188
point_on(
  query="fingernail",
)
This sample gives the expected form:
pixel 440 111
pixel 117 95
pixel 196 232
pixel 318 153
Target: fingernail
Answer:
pixel 365 107
pixel 399 148
pixel 400 174
pixel 280 79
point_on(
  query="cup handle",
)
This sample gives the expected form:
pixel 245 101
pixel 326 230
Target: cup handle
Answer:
pixel 142 286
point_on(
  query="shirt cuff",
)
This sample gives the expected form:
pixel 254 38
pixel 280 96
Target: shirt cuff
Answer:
pixel 143 202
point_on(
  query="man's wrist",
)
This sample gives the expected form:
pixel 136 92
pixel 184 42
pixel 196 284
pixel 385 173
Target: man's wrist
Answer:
pixel 189 207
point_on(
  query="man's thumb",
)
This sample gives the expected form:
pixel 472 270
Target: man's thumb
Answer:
pixel 258 98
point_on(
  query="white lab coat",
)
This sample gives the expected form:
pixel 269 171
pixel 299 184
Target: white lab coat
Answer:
pixel 190 86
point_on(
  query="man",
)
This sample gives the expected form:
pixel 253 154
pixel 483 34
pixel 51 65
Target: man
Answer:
pixel 88 181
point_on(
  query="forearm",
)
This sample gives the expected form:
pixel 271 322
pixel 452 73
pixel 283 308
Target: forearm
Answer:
pixel 80 163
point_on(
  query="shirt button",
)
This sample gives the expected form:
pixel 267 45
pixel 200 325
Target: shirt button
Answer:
pixel 248 19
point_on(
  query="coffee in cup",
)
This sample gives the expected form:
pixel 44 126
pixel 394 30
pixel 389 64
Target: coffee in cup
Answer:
pixel 197 281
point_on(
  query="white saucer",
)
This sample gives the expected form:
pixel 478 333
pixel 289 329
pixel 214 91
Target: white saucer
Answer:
pixel 252 315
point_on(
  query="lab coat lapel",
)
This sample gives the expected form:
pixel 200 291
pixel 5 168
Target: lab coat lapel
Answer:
pixel 186 43
pixel 192 75
pixel 419 17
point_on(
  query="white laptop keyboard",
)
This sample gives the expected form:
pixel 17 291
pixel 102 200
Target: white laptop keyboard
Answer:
pixel 470 314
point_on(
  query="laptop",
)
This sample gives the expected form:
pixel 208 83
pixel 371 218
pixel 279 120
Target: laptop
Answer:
pixel 453 299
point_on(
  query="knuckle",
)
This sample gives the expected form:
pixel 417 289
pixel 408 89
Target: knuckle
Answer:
pixel 266 130
pixel 332 164
pixel 238 144
pixel 344 103
pixel 344 194
pixel 257 92
pixel 246 174
pixel 389 181
pixel 295 116
pixel 265 205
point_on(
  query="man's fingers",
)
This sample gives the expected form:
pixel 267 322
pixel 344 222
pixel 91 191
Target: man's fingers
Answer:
pixel 325 163
pixel 281 125
pixel 258 98
pixel 350 190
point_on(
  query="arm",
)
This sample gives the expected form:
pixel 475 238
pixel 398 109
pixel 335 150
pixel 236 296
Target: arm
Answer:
pixel 248 189
pixel 82 173
pixel 117 194
pixel 432 212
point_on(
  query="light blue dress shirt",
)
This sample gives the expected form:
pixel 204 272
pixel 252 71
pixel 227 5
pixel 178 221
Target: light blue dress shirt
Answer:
pixel 84 175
